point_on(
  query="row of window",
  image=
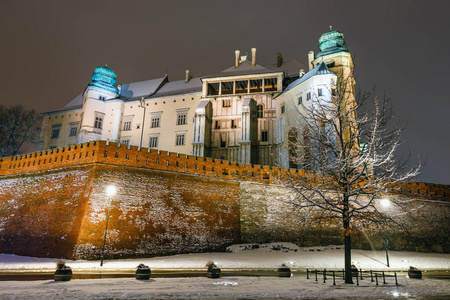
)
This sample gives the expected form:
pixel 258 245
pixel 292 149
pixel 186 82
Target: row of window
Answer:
pixel 308 96
pixel 57 128
pixel 179 141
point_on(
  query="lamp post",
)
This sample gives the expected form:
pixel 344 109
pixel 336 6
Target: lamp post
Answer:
pixel 385 203
pixel 110 191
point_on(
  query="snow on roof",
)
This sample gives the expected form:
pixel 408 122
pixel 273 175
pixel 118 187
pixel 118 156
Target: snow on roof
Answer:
pixel 140 89
pixel 291 67
pixel 319 70
pixel 179 87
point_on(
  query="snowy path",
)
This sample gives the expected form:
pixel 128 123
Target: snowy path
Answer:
pixel 263 257
pixel 222 288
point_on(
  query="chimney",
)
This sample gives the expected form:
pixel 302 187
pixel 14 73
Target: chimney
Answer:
pixel 279 59
pixel 253 57
pixel 310 59
pixel 236 64
pixel 301 73
pixel 188 76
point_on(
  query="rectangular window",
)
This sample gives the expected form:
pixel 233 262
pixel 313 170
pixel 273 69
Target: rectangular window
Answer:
pixel 300 100
pixel 125 142
pixel 308 96
pixel 153 142
pixel 233 124
pixel 126 125
pixel 55 132
pixel 73 130
pixel 226 103
pixel 320 92
pixel 155 122
pixel 180 139
pixel 264 136
pixel 217 125
pixel 98 122
pixel 181 120
pixel 283 109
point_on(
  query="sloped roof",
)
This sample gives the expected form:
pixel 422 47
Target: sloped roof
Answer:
pixel 321 69
pixel 291 67
pixel 179 87
pixel 245 68
pixel 136 90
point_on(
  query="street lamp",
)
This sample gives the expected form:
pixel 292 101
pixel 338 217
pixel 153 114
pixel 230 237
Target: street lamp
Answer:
pixel 385 203
pixel 110 191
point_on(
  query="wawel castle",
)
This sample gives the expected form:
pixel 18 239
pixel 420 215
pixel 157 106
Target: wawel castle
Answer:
pixel 241 114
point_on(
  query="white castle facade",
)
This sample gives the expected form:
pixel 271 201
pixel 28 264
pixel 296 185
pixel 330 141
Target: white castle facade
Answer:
pixel 242 114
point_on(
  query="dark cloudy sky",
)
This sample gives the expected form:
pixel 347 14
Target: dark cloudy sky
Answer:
pixel 49 49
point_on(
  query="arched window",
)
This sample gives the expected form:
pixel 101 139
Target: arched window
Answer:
pixel 260 110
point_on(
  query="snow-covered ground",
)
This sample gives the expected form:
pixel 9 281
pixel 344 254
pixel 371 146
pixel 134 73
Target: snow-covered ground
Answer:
pixel 239 287
pixel 251 256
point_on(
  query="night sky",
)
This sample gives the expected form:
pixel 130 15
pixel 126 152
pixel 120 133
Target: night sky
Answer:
pixel 49 49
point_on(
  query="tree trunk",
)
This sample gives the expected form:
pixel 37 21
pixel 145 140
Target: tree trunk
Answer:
pixel 348 258
pixel 347 243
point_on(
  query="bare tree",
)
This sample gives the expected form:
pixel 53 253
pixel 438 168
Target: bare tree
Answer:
pixel 347 146
pixel 18 126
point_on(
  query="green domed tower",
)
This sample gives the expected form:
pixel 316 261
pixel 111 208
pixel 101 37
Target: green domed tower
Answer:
pixel 331 42
pixel 334 53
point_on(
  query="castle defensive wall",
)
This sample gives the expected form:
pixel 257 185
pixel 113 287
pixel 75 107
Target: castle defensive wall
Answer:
pixel 53 204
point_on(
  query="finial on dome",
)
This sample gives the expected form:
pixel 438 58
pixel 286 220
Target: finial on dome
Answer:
pixel 331 28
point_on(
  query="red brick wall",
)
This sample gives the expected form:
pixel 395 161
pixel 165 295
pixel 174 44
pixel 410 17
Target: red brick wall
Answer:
pixel 62 213
pixel 121 155
pixel 40 214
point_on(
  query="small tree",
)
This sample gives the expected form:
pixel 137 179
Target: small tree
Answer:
pixel 348 150
pixel 18 126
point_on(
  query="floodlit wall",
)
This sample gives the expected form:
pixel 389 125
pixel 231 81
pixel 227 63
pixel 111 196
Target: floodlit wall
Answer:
pixel 53 203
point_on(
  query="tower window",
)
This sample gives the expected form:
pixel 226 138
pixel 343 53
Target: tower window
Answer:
pixel 300 100
pixel 308 96
pixel 283 109
pixel 320 92
pixel 98 122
